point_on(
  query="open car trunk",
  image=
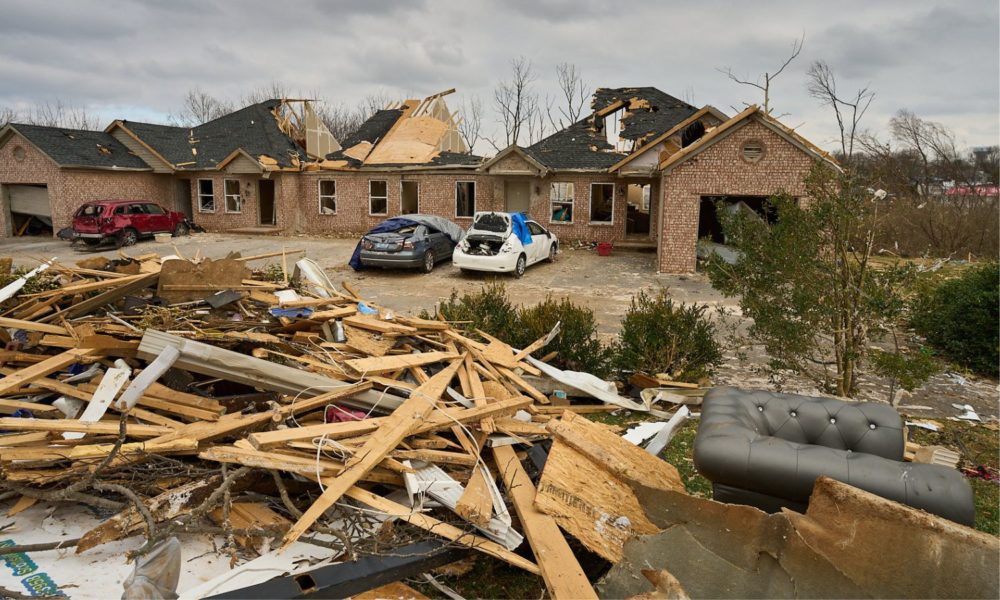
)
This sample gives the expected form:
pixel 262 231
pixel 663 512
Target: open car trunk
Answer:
pixel 484 244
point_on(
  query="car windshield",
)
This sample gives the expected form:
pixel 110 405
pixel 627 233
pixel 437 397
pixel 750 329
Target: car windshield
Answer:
pixel 492 222
pixel 90 210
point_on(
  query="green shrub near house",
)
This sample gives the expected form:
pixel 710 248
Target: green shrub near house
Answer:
pixel 577 345
pixel 961 318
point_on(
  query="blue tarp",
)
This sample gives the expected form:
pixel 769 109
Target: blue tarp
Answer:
pixel 518 222
pixel 387 226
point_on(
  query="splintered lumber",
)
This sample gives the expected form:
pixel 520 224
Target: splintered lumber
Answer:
pixel 373 324
pixel 476 503
pixel 208 360
pixel 390 433
pixel 46 367
pixel 388 364
pixel 32 326
pixel 148 377
pixel 69 425
pixel 445 530
pixel 586 485
pixel 9 407
pixel 97 450
pixel 112 295
pixel 559 568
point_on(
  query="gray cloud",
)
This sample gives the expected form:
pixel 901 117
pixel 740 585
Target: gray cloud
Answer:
pixel 937 58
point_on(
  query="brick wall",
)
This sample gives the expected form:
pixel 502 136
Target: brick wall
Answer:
pixel 581 228
pixel 721 170
pixel 219 219
pixel 70 188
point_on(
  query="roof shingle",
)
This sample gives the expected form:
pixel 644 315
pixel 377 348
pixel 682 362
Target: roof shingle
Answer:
pixel 81 148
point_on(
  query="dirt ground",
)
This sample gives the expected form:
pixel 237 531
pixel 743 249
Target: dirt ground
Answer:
pixel 604 284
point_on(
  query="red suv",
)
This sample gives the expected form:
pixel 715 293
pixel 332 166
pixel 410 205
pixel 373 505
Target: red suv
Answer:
pixel 125 221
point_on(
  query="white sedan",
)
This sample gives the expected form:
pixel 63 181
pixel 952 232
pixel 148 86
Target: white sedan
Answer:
pixel 494 243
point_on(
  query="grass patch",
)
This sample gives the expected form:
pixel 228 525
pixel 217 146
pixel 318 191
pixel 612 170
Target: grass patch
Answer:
pixel 978 445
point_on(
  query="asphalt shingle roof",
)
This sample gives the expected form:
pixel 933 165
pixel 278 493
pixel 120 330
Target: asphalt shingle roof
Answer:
pixel 580 146
pixel 252 129
pixel 80 148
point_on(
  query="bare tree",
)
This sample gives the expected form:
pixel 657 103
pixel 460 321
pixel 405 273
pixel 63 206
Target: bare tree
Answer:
pixel 763 83
pixel 515 101
pixel 199 107
pixel 341 120
pixel 538 125
pixel 574 96
pixel 8 114
pixel 849 110
pixel 58 114
pixel 372 103
pixel 471 124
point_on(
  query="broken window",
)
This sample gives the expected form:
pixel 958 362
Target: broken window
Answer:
pixel 327 197
pixel 378 197
pixel 234 202
pixel 465 198
pixel 602 202
pixel 561 198
pixel 206 195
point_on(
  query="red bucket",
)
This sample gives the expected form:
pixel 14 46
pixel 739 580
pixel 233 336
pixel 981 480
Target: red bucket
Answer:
pixel 604 249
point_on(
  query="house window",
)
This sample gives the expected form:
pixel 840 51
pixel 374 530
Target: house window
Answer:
pixel 465 198
pixel 561 198
pixel 327 197
pixel 234 203
pixel 378 197
pixel 602 203
pixel 753 151
pixel 206 195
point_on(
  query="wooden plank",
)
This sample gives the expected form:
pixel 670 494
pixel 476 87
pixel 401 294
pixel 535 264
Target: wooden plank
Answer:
pixel 70 425
pixel 9 407
pixel 98 450
pixel 385 364
pixel 391 432
pixel 10 440
pixel 445 530
pixel 44 368
pixel 524 385
pixel 476 503
pixel 32 326
pixel 373 324
pixel 559 568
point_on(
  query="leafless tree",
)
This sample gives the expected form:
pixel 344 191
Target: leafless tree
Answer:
pixel 574 96
pixel 538 124
pixel 341 120
pixel 849 110
pixel 471 124
pixel 58 114
pixel 372 103
pixel 8 114
pixel 272 91
pixel 515 101
pixel 199 107
pixel 763 83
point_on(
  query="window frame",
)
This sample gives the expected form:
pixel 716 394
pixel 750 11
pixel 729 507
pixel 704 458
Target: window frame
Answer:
pixel 590 211
pixel 226 196
pixel 371 197
pixel 458 183
pixel 202 196
pixel 321 196
pixel 571 202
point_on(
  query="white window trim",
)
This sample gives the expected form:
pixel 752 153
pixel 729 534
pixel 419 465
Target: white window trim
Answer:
pixel 590 209
pixel 370 198
pixel 226 197
pixel 474 194
pixel 572 201
pixel 201 195
pixel 320 196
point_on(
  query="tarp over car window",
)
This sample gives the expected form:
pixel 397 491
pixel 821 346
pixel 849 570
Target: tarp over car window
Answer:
pixel 519 223
pixel 453 231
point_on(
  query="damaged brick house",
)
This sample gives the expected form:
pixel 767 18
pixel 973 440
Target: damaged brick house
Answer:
pixel 643 169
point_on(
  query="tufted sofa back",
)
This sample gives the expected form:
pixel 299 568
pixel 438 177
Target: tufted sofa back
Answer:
pixel 859 427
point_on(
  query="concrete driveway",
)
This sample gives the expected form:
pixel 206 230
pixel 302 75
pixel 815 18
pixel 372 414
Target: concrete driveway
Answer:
pixel 604 284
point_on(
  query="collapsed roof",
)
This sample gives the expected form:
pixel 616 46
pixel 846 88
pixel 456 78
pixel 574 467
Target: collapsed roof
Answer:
pixel 623 120
pixel 409 133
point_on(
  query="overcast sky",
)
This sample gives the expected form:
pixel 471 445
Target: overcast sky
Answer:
pixel 136 60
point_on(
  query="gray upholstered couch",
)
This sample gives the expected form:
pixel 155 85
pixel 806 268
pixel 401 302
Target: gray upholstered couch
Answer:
pixel 766 449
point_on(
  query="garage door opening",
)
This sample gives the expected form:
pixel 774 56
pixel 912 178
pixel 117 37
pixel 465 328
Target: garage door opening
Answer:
pixel 709 224
pixel 29 209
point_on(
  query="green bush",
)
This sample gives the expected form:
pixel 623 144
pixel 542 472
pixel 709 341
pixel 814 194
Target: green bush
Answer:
pixel 577 344
pixel 488 309
pixel 658 336
pixel 961 319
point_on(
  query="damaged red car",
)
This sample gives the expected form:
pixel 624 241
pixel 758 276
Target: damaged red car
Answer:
pixel 125 221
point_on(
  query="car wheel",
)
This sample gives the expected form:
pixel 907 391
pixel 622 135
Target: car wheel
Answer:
pixel 428 261
pixel 519 267
pixel 553 250
pixel 181 229
pixel 128 237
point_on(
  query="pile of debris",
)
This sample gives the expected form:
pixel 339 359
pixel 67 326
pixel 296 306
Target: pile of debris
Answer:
pixel 280 425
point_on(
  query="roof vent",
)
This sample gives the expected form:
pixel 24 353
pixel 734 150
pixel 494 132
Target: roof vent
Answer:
pixel 753 151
